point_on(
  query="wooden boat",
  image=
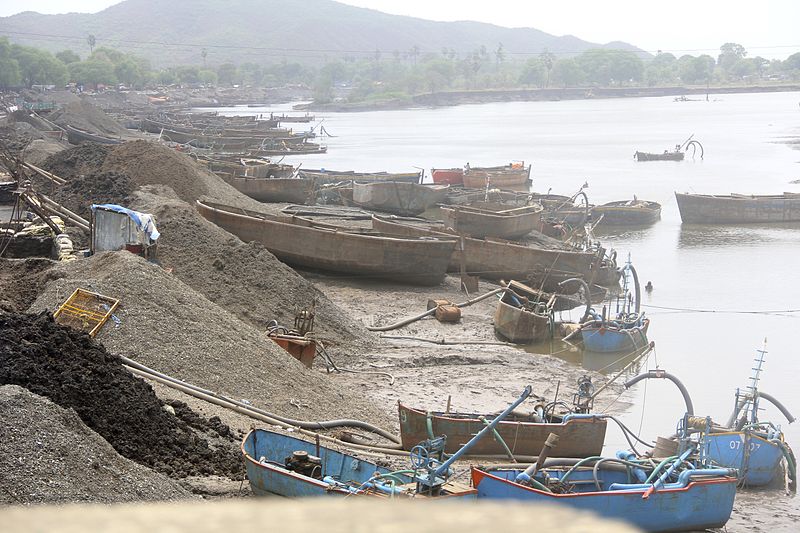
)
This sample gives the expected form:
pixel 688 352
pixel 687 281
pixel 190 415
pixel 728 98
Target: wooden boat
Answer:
pixel 694 500
pixel 485 219
pixel 521 320
pixel 249 168
pixel 580 436
pixel 738 208
pixel 511 176
pixel 627 212
pixel 666 156
pixel 274 190
pixel 334 176
pixel 397 197
pixel 301 242
pixel 288 466
pixel 79 136
pixel 448 176
pixel 498 259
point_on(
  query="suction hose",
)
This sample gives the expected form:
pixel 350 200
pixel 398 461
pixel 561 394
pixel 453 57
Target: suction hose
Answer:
pixel 661 374
pixel 770 398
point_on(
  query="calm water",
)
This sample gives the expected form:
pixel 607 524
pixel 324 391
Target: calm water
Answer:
pixel 723 268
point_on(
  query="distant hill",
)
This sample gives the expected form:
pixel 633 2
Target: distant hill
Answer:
pixel 172 32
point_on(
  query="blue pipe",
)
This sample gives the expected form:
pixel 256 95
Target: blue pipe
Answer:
pixel 489 427
pixel 640 474
pixel 683 479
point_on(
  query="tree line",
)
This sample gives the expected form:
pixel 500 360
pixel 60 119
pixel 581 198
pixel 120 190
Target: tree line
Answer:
pixel 399 73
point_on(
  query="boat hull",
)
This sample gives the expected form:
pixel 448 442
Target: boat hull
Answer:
pixel 709 209
pixel 619 214
pixel 277 190
pixel 757 459
pixel 512 223
pixel 697 506
pixel 609 338
pixel 666 156
pixel 520 326
pixel 496 260
pixel 300 242
pixel 399 198
pixel 265 454
pixel 447 176
pixel 579 437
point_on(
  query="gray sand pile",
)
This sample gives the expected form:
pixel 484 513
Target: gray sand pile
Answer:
pixel 244 278
pixel 21 280
pixel 48 455
pixel 168 326
pixel 85 116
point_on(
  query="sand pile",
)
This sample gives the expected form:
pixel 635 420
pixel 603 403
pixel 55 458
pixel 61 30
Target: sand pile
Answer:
pixel 83 115
pixel 244 278
pixel 148 163
pixel 170 327
pixel 74 371
pixel 21 280
pixel 48 455
pixel 100 188
pixel 78 161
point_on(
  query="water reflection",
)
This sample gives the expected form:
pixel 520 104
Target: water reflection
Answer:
pixel 713 235
pixel 605 363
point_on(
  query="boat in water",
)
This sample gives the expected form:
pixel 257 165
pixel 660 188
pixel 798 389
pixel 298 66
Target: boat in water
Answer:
pixel 448 176
pixel 325 176
pixel 627 213
pixel 738 208
pixel 678 154
pixel 274 190
pixel 301 242
pixel 627 330
pixel 514 176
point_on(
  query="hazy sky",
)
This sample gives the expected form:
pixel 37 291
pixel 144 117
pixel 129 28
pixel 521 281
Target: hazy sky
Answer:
pixel 768 28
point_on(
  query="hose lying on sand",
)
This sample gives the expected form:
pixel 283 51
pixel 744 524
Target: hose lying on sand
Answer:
pixel 429 312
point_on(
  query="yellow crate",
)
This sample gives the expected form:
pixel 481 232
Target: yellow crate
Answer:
pixel 86 311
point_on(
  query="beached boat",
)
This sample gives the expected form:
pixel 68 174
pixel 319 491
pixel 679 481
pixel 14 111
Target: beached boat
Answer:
pixel 627 212
pixel 397 197
pixel 283 465
pixel 498 259
pixel 581 436
pixel 274 190
pixel 666 156
pixel 301 242
pixel 692 500
pixel 484 219
pixel 79 136
pixel 335 176
pixel 521 320
pixel 500 179
pixel 448 176
pixel 738 208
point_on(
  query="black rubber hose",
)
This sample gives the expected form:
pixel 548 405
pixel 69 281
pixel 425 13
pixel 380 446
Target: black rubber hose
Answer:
pixel 661 374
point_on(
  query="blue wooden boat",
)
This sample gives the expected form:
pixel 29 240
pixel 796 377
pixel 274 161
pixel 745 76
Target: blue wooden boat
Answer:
pixel 622 335
pixel 627 332
pixel 288 466
pixel 694 499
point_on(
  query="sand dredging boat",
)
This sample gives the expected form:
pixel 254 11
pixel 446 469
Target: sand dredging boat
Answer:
pixel 738 208
pixel 302 242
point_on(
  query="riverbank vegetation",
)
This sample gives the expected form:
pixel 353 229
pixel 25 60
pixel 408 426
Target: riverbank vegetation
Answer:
pixel 402 74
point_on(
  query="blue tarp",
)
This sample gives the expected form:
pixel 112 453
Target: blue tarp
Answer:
pixel 143 221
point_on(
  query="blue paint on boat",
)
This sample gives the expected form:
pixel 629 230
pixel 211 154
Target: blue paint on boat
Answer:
pixel 266 452
pixel 615 335
pixel 699 499
pixel 757 459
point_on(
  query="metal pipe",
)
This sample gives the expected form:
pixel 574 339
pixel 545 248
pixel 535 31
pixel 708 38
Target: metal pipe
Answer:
pixel 490 427
pixel 297 423
pixel 528 474
pixel 662 374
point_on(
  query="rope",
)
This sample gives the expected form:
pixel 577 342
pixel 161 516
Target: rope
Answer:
pixel 728 311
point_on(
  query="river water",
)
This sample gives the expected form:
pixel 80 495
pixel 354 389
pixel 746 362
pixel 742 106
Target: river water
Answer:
pixel 748 275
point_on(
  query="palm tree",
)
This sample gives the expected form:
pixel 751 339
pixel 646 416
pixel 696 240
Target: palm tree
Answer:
pixel 92 41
